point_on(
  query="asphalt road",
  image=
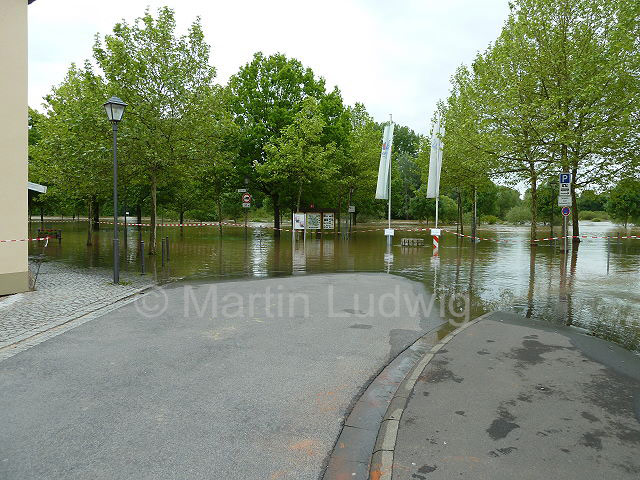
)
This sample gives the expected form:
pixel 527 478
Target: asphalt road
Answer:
pixel 509 398
pixel 205 389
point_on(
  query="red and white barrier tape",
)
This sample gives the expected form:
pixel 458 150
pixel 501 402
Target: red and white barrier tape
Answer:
pixel 25 240
pixel 232 224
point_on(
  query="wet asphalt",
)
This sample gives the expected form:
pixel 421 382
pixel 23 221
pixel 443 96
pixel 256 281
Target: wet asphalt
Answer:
pixel 510 398
pixel 213 391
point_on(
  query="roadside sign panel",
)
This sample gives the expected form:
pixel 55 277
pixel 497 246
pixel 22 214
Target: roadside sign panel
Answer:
pixel 246 197
pixel 246 204
pixel 388 232
pixel 298 221
pixel 352 209
pixel 564 194
pixel 566 211
pixel 241 190
pixel 565 177
pixel 436 231
pixel 328 221
pixel 313 221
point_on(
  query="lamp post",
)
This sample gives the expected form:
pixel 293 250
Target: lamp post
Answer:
pixel 115 110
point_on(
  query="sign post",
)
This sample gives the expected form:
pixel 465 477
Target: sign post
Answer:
pixel 566 211
pixel 246 204
pixel 564 201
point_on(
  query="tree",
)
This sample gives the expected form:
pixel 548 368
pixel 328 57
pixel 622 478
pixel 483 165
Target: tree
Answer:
pixel 358 167
pixel 74 150
pixel 590 200
pixel 506 199
pixel 297 159
pixel 584 56
pixel 624 201
pixel 267 94
pixel 163 77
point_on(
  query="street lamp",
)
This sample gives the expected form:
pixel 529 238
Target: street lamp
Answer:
pixel 115 110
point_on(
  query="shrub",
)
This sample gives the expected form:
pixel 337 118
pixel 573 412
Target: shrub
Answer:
pixel 489 219
pixel 519 215
pixel 594 216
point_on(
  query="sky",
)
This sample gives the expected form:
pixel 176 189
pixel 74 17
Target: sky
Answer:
pixel 395 57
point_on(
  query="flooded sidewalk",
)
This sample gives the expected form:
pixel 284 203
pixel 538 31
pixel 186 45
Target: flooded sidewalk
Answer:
pixel 512 398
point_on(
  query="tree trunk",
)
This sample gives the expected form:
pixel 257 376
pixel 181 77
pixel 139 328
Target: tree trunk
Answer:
pixel 552 209
pixel 349 207
pixel 181 217
pixel 276 214
pixel 299 195
pixel 41 215
pixel 154 206
pixel 219 204
pixel 534 206
pixel 474 220
pixel 574 207
pixel 337 219
pixel 89 240
pixel 96 214
pixel 460 214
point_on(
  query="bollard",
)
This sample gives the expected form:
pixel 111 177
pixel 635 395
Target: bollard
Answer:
pixel 59 237
pixel 142 254
pixel 166 241
pixel 608 252
pixel 163 252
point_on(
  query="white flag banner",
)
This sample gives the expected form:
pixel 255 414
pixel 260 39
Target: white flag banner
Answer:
pixel 435 161
pixel 382 190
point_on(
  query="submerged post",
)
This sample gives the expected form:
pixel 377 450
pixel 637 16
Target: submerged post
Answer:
pixel 142 255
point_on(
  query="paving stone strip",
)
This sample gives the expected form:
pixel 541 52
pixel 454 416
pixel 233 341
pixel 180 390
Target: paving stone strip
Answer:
pixel 64 295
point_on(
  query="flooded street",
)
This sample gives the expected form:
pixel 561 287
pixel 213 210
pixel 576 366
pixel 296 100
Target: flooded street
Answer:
pixel 594 287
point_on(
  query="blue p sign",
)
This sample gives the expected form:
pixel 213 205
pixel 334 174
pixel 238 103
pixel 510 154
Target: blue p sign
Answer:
pixel 565 178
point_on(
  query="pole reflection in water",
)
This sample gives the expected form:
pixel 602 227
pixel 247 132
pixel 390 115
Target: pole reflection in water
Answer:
pixel 532 280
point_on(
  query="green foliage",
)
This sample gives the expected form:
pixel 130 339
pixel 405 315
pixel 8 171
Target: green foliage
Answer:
pixel 624 202
pixel 597 216
pixel 518 215
pixel 489 219
pixel 557 91
pixel 590 200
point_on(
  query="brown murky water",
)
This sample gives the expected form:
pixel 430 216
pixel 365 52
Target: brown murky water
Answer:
pixel 595 286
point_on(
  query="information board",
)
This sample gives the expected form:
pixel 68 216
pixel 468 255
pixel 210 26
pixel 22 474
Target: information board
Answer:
pixel 328 221
pixel 313 221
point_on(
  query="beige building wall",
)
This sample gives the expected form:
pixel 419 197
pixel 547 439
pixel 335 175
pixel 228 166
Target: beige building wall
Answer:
pixel 14 275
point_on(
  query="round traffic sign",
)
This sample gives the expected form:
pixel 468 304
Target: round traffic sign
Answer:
pixel 246 197
pixel 566 211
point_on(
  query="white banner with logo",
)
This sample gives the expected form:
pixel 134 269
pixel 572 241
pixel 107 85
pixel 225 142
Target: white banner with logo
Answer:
pixel 435 161
pixel 382 190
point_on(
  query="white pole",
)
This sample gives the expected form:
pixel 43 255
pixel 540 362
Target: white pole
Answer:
pixel 439 166
pixel 389 202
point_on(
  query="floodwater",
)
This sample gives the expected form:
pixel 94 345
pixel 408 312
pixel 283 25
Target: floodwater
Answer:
pixel 594 286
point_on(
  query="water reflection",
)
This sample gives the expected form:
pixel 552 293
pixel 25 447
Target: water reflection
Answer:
pixel 593 286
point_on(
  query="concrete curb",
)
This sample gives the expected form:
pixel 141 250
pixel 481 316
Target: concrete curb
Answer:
pixel 381 466
pixel 34 337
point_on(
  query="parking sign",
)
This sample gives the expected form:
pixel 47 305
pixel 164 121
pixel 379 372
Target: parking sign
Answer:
pixel 565 177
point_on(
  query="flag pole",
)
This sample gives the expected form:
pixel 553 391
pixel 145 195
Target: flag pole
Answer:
pixel 389 202
pixel 439 159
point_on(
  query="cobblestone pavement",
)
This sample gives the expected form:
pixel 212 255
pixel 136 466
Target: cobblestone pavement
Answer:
pixel 63 293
